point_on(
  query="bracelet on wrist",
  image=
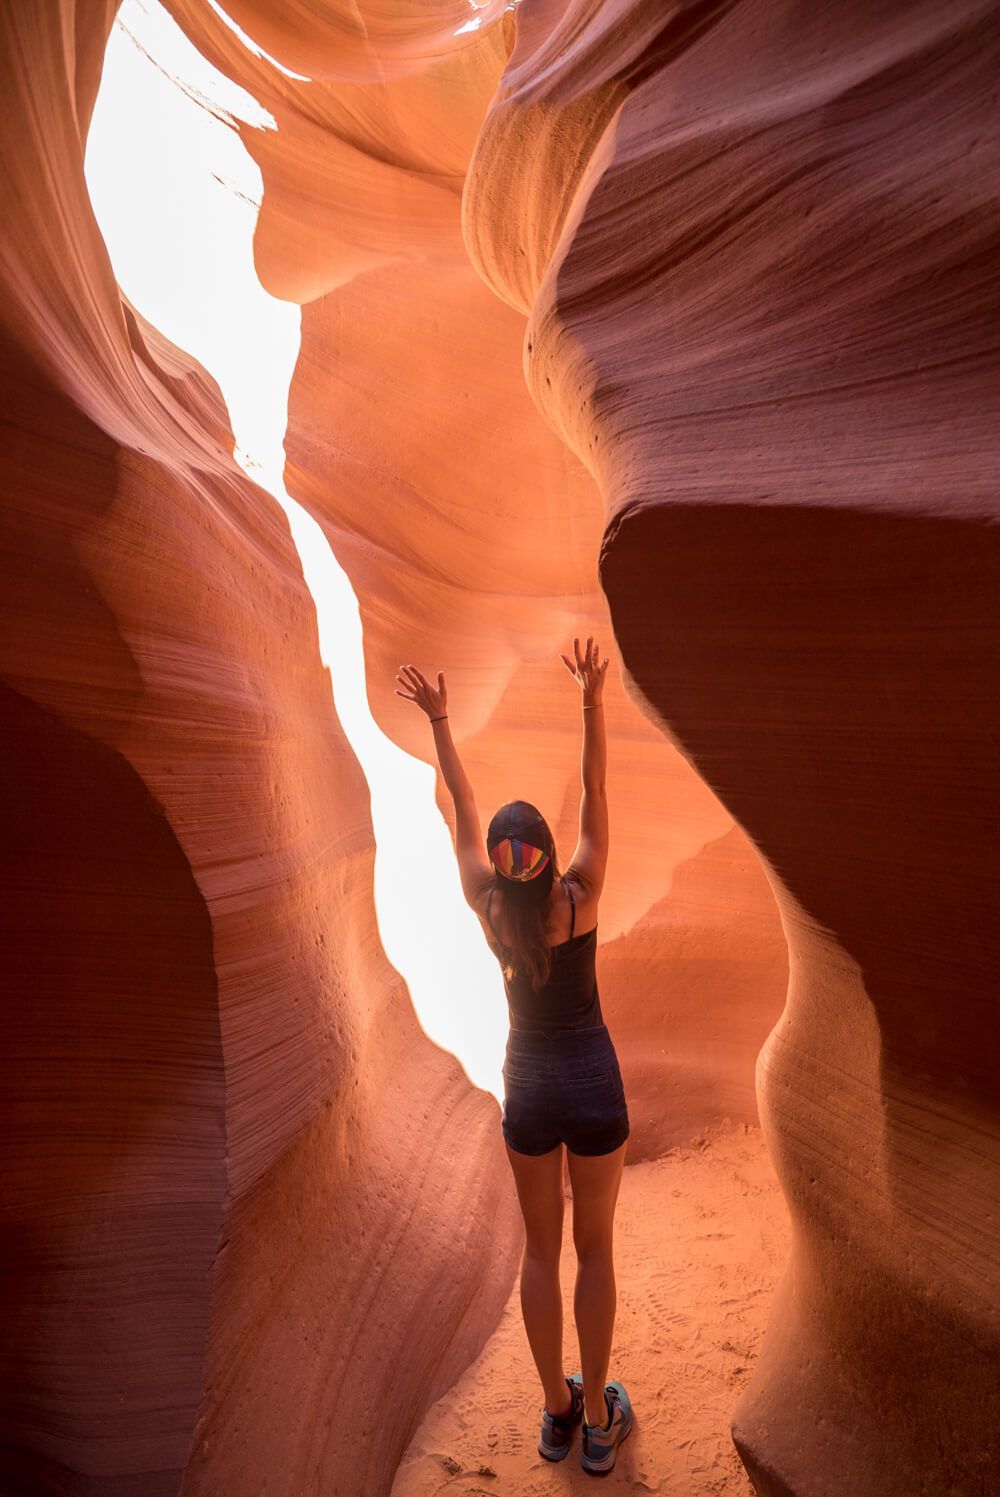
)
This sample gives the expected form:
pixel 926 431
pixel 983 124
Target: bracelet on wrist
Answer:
pixel 440 719
pixel 589 706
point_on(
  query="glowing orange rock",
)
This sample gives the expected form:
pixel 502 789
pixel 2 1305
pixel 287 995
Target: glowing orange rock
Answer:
pixel 758 248
pixel 471 535
pixel 241 1186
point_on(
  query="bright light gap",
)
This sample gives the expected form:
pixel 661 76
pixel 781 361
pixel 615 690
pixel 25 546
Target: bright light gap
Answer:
pixel 176 196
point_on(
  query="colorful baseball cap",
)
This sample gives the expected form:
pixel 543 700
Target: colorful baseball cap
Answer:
pixel 519 845
pixel 516 859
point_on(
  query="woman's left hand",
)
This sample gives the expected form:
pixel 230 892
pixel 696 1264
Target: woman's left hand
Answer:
pixel 420 690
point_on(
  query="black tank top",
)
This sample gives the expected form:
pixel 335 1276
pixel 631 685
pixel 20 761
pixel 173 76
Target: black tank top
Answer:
pixel 569 999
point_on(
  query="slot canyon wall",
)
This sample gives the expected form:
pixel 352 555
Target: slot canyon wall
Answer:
pixel 229 1148
pixel 470 530
pixel 758 250
pixel 755 248
pixel 249 1207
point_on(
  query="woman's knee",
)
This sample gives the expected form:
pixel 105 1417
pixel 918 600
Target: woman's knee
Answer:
pixel 543 1253
pixel 594 1247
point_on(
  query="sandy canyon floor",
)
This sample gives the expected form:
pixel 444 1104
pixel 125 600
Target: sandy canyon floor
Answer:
pixel 701 1235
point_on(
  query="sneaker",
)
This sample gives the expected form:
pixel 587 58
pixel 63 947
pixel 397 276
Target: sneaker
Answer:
pixel 600 1443
pixel 557 1429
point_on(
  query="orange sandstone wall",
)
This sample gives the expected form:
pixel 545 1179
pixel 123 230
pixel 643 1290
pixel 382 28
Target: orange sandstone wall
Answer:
pixel 758 250
pixel 247 1205
pixel 471 533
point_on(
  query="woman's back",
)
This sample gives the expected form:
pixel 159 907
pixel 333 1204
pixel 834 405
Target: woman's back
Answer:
pixel 569 998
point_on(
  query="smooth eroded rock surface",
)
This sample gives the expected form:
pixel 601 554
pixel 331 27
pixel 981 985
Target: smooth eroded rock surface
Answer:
pixel 763 311
pixel 471 536
pixel 247 1204
pixel 256 1222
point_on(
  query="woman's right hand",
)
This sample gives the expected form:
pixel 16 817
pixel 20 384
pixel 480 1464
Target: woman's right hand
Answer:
pixel 587 672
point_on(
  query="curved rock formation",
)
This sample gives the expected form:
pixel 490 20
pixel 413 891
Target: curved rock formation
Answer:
pixel 470 534
pixel 241 1069
pixel 240 1181
pixel 758 246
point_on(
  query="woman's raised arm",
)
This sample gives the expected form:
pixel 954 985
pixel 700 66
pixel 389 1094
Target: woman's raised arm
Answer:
pixel 474 866
pixel 590 859
pixel 434 701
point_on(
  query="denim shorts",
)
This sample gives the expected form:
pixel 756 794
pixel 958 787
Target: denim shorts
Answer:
pixel 563 1086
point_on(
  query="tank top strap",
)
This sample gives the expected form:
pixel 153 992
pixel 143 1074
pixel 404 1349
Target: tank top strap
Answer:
pixel 572 905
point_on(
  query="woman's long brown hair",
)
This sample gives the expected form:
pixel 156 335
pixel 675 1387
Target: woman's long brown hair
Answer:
pixel 527 950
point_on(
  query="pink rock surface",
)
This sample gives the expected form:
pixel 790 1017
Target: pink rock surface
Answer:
pixel 242 1188
pixel 758 246
pixel 493 606
pixel 470 533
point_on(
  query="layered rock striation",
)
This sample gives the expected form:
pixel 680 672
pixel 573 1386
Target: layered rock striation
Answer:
pixel 241 1188
pixel 757 248
pixel 470 533
pixel 756 252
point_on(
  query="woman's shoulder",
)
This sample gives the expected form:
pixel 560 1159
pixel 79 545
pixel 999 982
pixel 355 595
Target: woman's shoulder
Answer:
pixel 581 886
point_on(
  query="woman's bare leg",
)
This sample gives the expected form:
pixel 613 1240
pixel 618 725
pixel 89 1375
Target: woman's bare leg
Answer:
pixel 596 1179
pixel 539 1181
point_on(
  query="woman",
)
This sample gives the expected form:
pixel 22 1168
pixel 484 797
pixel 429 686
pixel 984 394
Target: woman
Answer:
pixel 561 1078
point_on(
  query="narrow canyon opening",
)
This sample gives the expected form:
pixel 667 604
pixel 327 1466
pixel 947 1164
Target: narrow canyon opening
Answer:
pixel 177 196
pixel 345 333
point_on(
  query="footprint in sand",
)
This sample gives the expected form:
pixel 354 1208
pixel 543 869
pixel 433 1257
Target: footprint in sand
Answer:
pixel 664 1306
pixel 509 1436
